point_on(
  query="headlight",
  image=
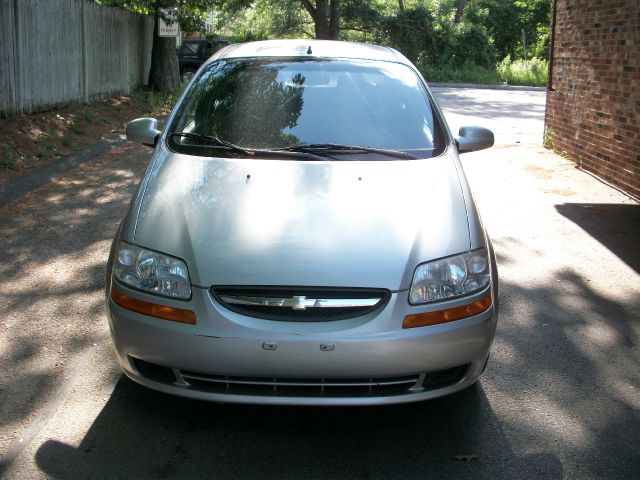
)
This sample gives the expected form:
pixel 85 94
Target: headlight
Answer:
pixel 151 272
pixel 450 277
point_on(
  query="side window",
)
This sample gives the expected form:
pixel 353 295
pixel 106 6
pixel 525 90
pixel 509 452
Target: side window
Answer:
pixel 189 48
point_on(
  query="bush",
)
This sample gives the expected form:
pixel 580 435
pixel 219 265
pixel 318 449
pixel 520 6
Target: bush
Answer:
pixel 465 43
pixel 466 73
pixel 412 32
pixel 519 72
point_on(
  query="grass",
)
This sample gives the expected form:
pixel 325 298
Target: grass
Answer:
pixel 87 114
pixel 519 72
pixel 532 73
pixel 158 104
pixel 77 127
pixel 547 139
pixel 9 158
pixel 463 74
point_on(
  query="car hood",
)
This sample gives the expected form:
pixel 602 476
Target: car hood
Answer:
pixel 303 223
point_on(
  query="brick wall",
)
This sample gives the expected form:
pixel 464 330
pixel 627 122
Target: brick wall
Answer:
pixel 593 105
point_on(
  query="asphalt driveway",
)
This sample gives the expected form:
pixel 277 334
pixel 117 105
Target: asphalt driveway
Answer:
pixel 559 399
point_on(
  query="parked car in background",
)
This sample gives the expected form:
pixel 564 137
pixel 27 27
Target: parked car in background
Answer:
pixel 193 53
pixel 304 234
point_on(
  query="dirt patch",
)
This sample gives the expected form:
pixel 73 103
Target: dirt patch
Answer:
pixel 31 141
pixel 538 172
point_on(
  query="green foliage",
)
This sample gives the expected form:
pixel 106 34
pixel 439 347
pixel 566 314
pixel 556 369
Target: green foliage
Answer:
pixel 465 73
pixel 506 19
pixel 423 30
pixel 464 43
pixel 157 103
pixel 9 158
pixel 547 138
pixel 191 13
pixel 240 21
pixel 413 32
pixel 75 126
pixel 87 114
pixel 519 72
pixel 42 150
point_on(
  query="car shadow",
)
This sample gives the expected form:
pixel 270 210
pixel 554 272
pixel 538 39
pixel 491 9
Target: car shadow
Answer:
pixel 615 225
pixel 144 434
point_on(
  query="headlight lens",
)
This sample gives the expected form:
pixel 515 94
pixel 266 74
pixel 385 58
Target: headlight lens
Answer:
pixel 151 272
pixel 450 277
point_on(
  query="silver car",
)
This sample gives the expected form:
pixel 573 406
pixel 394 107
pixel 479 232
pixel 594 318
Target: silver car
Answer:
pixel 304 234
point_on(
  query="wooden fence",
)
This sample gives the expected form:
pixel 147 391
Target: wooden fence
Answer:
pixel 54 52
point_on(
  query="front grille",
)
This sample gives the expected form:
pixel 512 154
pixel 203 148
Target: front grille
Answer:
pixel 303 304
pixel 297 387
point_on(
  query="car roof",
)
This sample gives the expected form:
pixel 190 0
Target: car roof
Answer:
pixel 311 49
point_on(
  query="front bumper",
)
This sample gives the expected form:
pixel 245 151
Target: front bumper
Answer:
pixel 365 360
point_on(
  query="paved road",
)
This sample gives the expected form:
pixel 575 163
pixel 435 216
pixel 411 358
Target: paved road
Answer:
pixel 514 116
pixel 560 397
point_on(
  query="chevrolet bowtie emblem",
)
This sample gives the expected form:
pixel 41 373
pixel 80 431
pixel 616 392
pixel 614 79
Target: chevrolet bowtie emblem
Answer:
pixel 299 303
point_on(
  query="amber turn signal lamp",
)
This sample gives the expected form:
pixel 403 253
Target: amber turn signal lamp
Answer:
pixel 449 315
pixel 153 310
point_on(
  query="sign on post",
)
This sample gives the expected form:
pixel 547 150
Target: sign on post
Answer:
pixel 166 29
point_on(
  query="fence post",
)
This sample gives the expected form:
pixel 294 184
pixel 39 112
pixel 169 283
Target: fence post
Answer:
pixel 18 66
pixel 84 53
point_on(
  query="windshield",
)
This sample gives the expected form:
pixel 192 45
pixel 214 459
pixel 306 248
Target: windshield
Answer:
pixel 277 103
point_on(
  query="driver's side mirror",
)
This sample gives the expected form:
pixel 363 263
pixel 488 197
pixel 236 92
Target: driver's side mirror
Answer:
pixel 471 139
pixel 144 131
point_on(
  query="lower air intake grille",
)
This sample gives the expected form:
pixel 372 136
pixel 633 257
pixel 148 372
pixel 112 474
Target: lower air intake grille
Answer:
pixel 292 387
pixel 301 304
pixel 301 387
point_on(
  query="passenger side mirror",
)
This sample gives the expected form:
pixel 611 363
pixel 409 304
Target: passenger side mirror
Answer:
pixel 471 139
pixel 144 131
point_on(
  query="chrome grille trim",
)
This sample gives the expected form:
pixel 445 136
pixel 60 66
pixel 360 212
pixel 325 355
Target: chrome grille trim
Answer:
pixel 290 382
pixel 300 302
pixel 293 387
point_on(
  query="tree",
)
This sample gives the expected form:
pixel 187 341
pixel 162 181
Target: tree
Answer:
pixel 325 14
pixel 459 11
pixel 164 73
pixel 505 20
pixel 326 17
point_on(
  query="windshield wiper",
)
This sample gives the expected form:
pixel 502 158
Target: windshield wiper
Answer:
pixel 277 153
pixel 213 140
pixel 329 148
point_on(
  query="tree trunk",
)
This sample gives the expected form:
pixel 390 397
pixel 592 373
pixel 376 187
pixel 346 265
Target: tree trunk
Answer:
pixel 326 18
pixel 164 74
pixel 459 11
pixel 334 20
pixel 321 20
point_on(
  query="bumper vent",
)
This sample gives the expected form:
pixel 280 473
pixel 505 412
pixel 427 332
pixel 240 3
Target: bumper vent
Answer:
pixel 301 304
pixel 301 387
pixel 294 387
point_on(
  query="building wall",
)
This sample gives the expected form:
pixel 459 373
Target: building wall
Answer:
pixel 593 104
